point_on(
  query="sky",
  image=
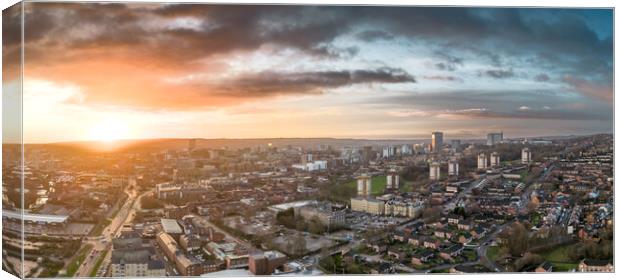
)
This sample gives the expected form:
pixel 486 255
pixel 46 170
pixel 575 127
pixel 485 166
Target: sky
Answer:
pixel 108 71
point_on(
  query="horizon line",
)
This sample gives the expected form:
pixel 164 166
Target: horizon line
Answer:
pixel 267 138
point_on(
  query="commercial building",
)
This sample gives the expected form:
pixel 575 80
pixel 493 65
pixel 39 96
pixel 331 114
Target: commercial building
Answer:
pixel 171 227
pixel 232 254
pixel 391 207
pixel 311 166
pixel 133 258
pixel 495 138
pixel 185 265
pixel 436 141
pixel 135 262
pixel 184 191
pixel 324 213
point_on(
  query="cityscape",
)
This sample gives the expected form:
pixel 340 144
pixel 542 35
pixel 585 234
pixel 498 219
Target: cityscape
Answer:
pixel 170 140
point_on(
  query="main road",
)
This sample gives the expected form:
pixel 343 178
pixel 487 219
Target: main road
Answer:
pixel 103 243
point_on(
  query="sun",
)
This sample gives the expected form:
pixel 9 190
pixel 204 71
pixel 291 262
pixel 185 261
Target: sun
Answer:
pixel 109 130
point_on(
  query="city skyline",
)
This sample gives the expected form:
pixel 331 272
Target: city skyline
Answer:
pixel 143 71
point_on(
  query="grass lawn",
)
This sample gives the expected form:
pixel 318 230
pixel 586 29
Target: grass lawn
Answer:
pixel 492 252
pixel 78 260
pixel 559 258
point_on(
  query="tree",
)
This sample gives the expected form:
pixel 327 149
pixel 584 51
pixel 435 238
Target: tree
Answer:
pixel 149 202
pixel 526 260
pixel 517 242
pixel 316 226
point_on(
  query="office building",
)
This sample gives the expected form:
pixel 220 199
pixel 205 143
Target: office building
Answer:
pixel 495 138
pixel 436 141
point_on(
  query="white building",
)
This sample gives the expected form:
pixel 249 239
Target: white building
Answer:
pixel 434 171
pixel 406 150
pixel 453 168
pixel 494 159
pixel 364 185
pixel 311 166
pixel 388 152
pixel 392 181
pixel 526 156
pixel 482 161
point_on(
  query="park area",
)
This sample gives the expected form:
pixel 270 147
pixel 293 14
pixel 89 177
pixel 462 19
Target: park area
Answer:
pixel 558 257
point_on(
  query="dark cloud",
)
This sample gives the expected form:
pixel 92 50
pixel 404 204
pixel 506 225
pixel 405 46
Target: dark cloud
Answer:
pixel 374 35
pixel 542 104
pixel 443 78
pixel 59 33
pixel 530 114
pixel 273 83
pixel 500 73
pixel 448 62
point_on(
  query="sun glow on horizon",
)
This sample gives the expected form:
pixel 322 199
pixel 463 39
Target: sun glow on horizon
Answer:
pixel 109 130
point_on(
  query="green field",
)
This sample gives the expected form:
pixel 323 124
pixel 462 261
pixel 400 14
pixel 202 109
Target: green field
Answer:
pixel 377 182
pixel 78 260
pixel 558 257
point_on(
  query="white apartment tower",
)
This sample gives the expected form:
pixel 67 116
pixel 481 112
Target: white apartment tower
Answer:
pixel 482 161
pixel 453 168
pixel 495 159
pixel 526 156
pixel 392 180
pixel 364 185
pixel 434 171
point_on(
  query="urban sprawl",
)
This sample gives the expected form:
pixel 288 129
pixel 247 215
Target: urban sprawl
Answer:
pixel 197 207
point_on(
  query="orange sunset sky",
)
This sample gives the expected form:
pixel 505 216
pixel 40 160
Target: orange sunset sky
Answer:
pixel 112 71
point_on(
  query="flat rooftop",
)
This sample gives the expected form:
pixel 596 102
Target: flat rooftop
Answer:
pixel 171 226
pixel 37 218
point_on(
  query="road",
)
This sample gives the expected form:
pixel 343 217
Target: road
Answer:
pixel 450 205
pixel 103 243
